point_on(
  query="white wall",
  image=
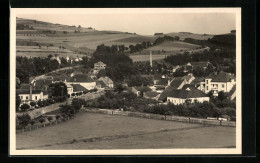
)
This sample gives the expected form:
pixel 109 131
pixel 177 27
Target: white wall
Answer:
pixel 178 101
pixel 89 85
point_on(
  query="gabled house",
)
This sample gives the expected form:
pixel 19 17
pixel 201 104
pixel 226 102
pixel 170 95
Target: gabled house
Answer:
pixel 77 88
pixel 178 82
pixel 108 83
pixel 28 95
pixel 99 65
pixel 193 65
pixel 182 95
pixel 140 90
pixel 84 80
pixel 218 82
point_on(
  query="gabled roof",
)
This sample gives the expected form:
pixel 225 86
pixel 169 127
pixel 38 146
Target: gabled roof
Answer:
pixel 151 94
pixel 191 86
pixel 197 80
pixel 230 93
pixel 106 80
pixel 163 81
pixel 187 77
pixel 165 93
pixel 27 91
pixel 221 77
pixel 41 83
pixel 176 82
pixel 102 84
pixel 100 63
pixel 82 78
pixel 78 88
pixel 184 94
pixel 25 86
pixel 143 89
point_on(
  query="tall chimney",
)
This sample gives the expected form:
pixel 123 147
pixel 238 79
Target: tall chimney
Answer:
pixel 30 98
pixel 151 59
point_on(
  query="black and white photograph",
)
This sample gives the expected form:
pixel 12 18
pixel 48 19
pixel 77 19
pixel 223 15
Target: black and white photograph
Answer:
pixel 135 81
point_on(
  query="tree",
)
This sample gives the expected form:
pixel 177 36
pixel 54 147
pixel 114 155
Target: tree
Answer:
pixel 32 122
pixel 18 102
pixel 58 89
pixel 101 73
pixel 57 117
pixel 41 120
pixel 33 104
pixel 221 96
pixel 24 119
pixel 25 107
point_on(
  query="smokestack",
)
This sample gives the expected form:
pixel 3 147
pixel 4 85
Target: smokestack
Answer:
pixel 30 98
pixel 151 59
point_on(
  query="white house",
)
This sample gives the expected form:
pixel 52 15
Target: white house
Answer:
pixel 180 96
pixel 107 81
pixel 27 96
pixel 218 82
pixel 83 80
pixel 99 65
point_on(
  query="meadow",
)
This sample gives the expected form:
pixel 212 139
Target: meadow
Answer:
pixel 102 131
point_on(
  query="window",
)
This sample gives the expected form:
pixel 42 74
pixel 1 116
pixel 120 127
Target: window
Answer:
pixel 35 97
pixel 26 97
pixel 207 88
pixel 207 81
pixel 21 97
pixel 223 85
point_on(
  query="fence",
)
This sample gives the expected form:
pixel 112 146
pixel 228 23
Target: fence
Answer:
pixel 163 117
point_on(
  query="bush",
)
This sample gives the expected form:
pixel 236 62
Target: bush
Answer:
pixel 85 92
pixel 73 94
pixel 50 119
pixel 41 120
pixel 25 107
pixel 95 89
pixel 32 122
pixel 33 104
pixel 24 119
pixel 57 117
pixel 40 103
pixel 50 101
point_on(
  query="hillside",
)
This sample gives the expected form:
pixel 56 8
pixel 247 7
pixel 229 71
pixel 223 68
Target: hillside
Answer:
pixel 184 35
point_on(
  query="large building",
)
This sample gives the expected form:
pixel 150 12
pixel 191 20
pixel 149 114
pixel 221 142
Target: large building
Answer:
pixel 180 96
pixel 106 82
pixel 83 80
pixel 28 95
pixel 100 65
pixel 218 82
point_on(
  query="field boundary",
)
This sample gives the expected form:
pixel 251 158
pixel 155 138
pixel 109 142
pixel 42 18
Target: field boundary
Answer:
pixel 163 117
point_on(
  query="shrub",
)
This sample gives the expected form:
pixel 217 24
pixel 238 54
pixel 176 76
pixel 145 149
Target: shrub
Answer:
pixel 40 103
pixel 25 107
pixel 95 89
pixel 50 119
pixel 33 103
pixel 85 92
pixel 68 95
pixel 32 122
pixel 73 94
pixel 24 119
pixel 50 101
pixel 41 120
pixel 57 117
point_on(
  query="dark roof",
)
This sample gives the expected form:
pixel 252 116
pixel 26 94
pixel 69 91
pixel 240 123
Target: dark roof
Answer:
pixel 100 63
pixel 151 94
pixel 81 78
pixel 102 84
pixel 202 64
pixel 25 86
pixel 191 86
pixel 221 77
pixel 143 89
pixel 187 77
pixel 184 94
pixel 230 93
pixel 27 91
pixel 163 81
pixel 176 82
pixel 157 76
pixel 197 80
pixel 41 83
pixel 165 93
pixel 78 88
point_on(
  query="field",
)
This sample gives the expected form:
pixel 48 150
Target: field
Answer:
pixel 143 57
pixel 173 47
pixel 102 131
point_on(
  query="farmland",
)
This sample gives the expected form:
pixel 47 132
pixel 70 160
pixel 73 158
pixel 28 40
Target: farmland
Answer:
pixel 101 131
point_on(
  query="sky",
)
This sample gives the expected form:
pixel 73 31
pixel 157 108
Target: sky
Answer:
pixel 146 23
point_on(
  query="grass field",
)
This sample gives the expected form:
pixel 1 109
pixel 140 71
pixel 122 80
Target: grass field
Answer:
pixel 173 46
pixel 143 57
pixel 102 131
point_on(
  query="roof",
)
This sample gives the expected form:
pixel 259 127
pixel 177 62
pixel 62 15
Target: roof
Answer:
pixel 25 86
pixel 157 76
pixel 176 82
pixel 81 78
pixel 165 93
pixel 100 63
pixel 202 64
pixel 197 80
pixel 78 88
pixel 106 80
pixel 151 94
pixel 221 77
pixel 184 94
pixel 163 81
pixel 41 83
pixel 102 84
pixel 27 91
pixel 230 93
pixel 187 77
pixel 191 86
pixel 143 89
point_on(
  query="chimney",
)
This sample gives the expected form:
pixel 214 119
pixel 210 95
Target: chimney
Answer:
pixel 30 97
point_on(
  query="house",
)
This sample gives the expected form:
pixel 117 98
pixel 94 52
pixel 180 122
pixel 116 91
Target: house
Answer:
pixel 42 84
pixel 98 85
pixel 83 80
pixel 174 68
pixel 140 90
pixel 99 65
pixel 57 59
pixel 107 81
pixel 180 96
pixel 151 95
pixel 69 88
pixel 157 78
pixel 196 81
pixel 188 78
pixel 28 95
pixel 218 82
pixel 164 94
pixel 178 82
pixel 193 65
pixel 77 88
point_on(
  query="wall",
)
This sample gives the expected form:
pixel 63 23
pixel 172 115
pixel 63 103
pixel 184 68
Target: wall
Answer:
pixel 89 85
pixel 178 101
